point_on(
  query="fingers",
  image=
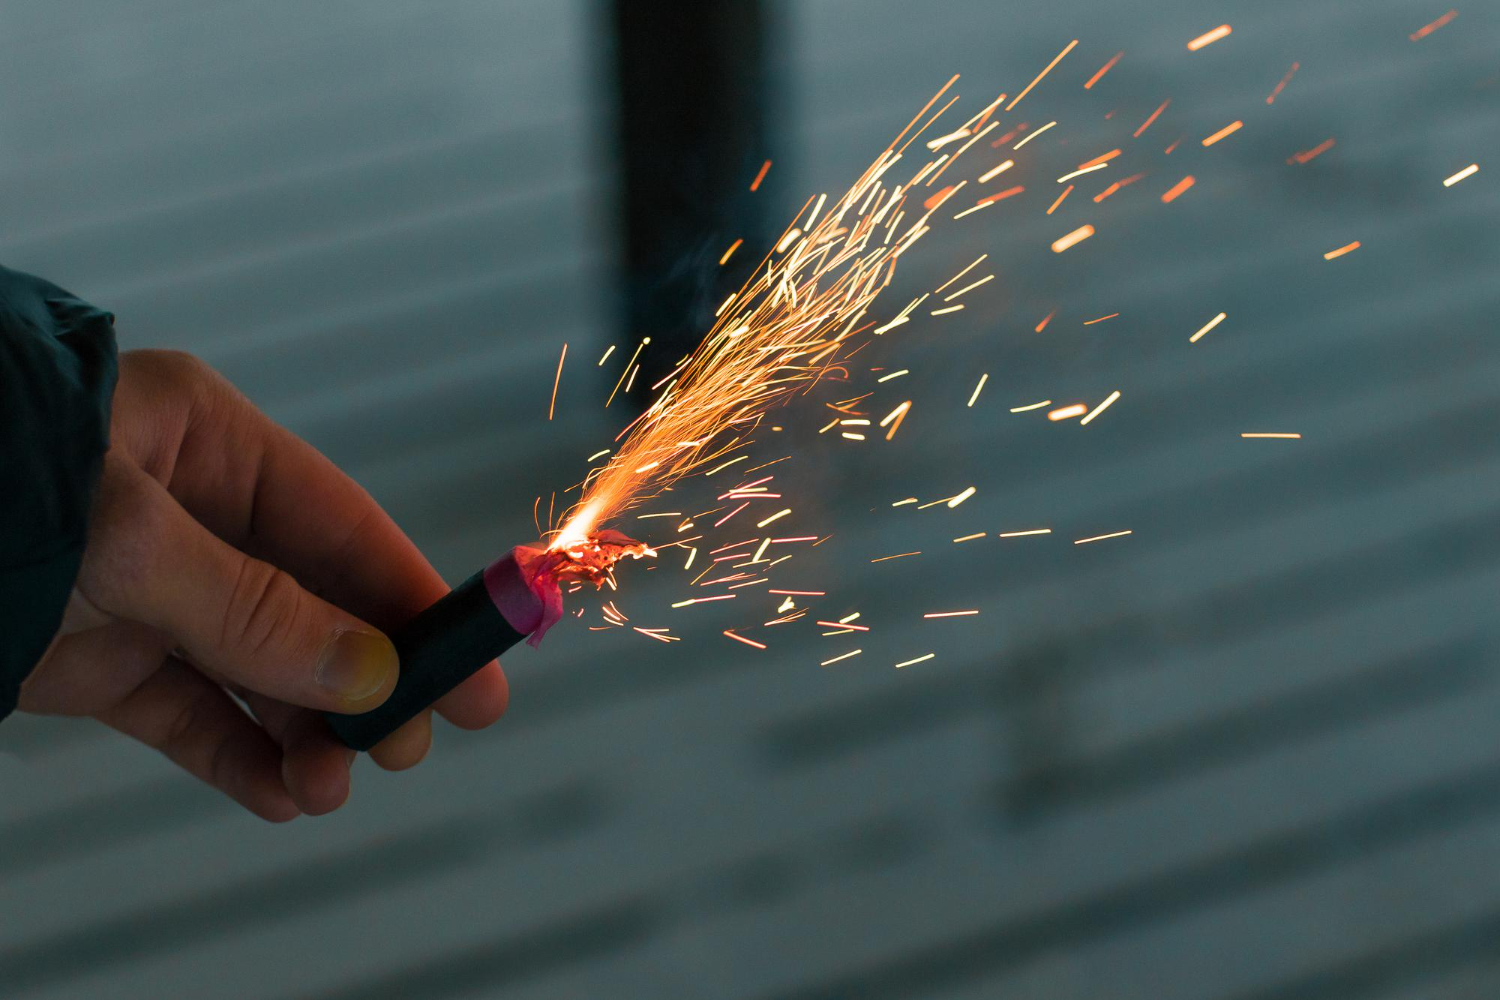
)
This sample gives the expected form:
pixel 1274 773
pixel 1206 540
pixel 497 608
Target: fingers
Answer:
pixel 406 746
pixel 314 764
pixel 199 727
pixel 263 489
pixel 478 701
pixel 251 623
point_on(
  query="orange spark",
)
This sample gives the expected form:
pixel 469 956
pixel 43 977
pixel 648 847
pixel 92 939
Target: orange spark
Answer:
pixel 899 555
pixel 1170 195
pixel 982 380
pixel 1116 186
pixel 1108 401
pixel 1002 195
pixel 1346 248
pixel 1147 123
pixel 1072 239
pixel 555 380
pixel 1102 158
pixel 1067 412
pixel 1209 37
pixel 1229 129
pixel 748 642
pixel 894 419
pixel 764 169
pixel 1048 318
pixel 1206 327
pixel 1100 538
pixel 1101 319
pixel 991 174
pixel 1271 97
pixel 1033 135
pixel 1066 191
pixel 730 252
pixel 1059 58
pixel 1102 70
pixel 1468 171
pixel 1308 154
pixel 1428 29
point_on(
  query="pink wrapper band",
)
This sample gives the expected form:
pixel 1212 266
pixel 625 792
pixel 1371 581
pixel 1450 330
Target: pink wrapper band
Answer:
pixel 525 592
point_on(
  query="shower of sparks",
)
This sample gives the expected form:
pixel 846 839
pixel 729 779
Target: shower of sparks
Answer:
pixel 1025 534
pixel 920 659
pixel 1206 327
pixel 1309 154
pixel 1209 37
pixel 1108 402
pixel 1271 97
pixel 1031 406
pixel 1147 123
pixel 788 326
pixel 1346 248
pixel 1100 538
pixel 1074 238
pixel 1468 171
pixel 1428 29
pixel 1171 194
pixel 1229 129
pixel 1272 434
pixel 1102 70
pixel 982 380
pixel 555 380
pixel 765 168
pixel 1050 66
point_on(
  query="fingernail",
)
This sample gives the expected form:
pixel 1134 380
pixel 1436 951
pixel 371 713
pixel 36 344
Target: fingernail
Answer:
pixel 355 665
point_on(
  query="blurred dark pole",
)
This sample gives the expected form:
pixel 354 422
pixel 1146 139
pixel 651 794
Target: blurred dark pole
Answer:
pixel 691 85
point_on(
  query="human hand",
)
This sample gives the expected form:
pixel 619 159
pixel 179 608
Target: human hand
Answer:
pixel 226 557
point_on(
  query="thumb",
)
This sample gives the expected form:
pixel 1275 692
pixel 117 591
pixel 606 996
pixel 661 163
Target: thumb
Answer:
pixel 150 561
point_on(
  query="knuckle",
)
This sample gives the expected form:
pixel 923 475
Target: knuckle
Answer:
pixel 264 608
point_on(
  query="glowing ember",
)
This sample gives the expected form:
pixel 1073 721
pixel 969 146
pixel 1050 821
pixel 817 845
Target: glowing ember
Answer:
pixel 591 558
pixel 1428 29
pixel 1209 37
pixel 1468 171
pixel 1346 248
pixel 1074 238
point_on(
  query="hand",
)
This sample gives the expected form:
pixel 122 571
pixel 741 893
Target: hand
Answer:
pixel 227 559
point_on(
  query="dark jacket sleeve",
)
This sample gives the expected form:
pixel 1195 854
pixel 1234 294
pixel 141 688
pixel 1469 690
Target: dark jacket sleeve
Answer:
pixel 57 376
